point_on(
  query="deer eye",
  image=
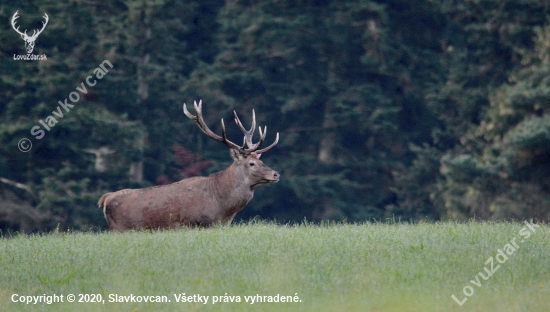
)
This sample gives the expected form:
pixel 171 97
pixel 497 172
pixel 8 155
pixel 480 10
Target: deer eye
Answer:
pixel 251 164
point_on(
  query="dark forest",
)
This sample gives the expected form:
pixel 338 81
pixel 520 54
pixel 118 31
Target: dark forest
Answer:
pixel 401 110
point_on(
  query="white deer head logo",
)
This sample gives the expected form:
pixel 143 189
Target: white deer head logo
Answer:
pixel 29 40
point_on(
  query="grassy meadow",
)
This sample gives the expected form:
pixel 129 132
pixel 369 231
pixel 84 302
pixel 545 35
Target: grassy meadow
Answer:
pixel 336 267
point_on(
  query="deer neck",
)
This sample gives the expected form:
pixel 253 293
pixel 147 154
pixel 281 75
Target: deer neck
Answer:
pixel 232 188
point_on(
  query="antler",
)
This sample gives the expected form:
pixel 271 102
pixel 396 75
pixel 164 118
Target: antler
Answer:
pixel 43 26
pixel 270 146
pixel 252 148
pixel 248 134
pixel 13 25
pixel 34 34
pixel 202 125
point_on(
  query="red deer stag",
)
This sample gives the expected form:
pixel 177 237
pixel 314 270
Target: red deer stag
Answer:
pixel 197 201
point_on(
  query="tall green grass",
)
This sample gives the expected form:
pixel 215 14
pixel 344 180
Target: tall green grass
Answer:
pixel 341 267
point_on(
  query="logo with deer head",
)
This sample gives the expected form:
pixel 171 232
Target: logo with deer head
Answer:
pixel 29 40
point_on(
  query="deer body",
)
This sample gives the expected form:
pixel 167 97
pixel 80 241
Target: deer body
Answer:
pixel 197 201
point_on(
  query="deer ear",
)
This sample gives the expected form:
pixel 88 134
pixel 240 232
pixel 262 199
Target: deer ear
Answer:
pixel 257 155
pixel 235 155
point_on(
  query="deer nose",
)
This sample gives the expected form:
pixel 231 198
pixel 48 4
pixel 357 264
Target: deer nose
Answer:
pixel 276 176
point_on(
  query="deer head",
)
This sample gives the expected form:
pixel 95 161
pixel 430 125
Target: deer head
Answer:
pixel 29 40
pixel 246 157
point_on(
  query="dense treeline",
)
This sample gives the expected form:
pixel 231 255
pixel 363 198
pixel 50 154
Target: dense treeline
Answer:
pixel 386 109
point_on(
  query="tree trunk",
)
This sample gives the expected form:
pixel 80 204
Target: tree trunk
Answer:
pixel 326 146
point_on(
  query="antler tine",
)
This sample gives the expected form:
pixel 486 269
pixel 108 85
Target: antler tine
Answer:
pixel 247 134
pixel 201 123
pixel 187 113
pixel 224 136
pixel 15 16
pixel 262 138
pixel 270 146
pixel 43 25
pixel 198 119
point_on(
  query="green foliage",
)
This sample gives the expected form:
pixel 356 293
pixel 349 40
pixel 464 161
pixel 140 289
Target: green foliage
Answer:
pixel 506 171
pixel 120 112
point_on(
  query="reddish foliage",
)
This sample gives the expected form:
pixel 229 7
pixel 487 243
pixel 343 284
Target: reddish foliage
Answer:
pixel 196 169
pixel 183 156
pixel 188 165
pixel 162 180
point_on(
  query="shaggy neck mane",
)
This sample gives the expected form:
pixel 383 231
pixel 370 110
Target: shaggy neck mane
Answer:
pixel 232 191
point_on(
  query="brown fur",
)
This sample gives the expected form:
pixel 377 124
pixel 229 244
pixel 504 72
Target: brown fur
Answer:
pixel 198 201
